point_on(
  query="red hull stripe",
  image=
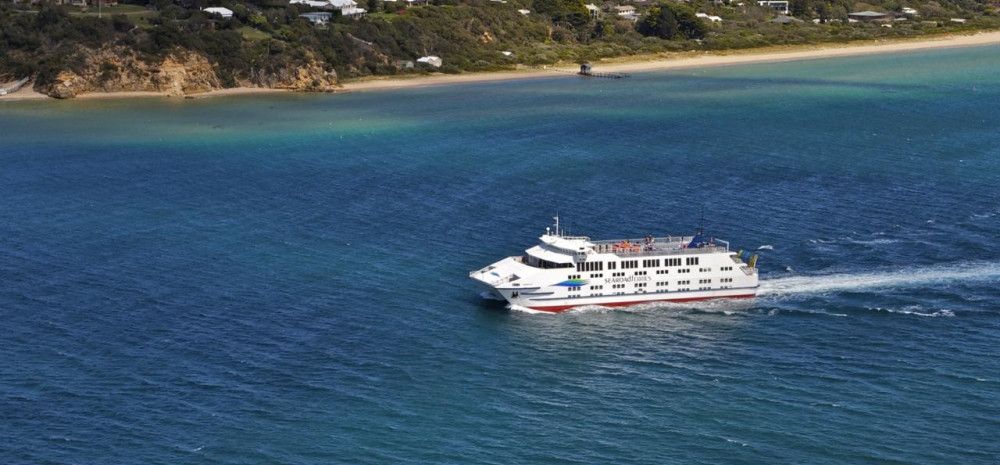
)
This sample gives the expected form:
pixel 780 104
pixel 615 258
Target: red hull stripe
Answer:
pixel 559 308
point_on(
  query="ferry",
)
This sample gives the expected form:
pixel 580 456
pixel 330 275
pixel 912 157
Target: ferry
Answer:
pixel 562 272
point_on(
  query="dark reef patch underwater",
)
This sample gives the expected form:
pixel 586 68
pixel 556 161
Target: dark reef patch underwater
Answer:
pixel 284 279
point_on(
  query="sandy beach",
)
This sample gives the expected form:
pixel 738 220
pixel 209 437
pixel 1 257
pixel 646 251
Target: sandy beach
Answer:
pixel 659 62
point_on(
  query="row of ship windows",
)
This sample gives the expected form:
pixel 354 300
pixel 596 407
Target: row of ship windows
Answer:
pixel 643 273
pixel 683 282
pixel 619 274
pixel 664 283
pixel 643 291
pixel 630 264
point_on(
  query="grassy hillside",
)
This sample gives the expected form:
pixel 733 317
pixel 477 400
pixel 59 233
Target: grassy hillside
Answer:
pixel 266 36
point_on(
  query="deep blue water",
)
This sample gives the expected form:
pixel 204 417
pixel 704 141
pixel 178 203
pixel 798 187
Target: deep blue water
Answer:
pixel 283 280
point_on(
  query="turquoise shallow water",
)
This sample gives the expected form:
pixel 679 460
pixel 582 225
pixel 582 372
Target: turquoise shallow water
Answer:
pixel 284 279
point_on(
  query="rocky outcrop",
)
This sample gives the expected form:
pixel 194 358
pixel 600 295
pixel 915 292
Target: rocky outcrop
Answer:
pixel 306 77
pixel 121 70
pixel 117 69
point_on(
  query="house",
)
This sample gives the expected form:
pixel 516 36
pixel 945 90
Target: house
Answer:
pixel 353 12
pixel 594 10
pixel 431 60
pixel 524 12
pixel 625 10
pixel 225 13
pixel 348 8
pixel 781 6
pixel 868 16
pixel 958 20
pixel 714 19
pixel 312 3
pixel 318 18
pixel 910 11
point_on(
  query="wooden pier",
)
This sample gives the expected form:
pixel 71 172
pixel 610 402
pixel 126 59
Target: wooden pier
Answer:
pixel 585 70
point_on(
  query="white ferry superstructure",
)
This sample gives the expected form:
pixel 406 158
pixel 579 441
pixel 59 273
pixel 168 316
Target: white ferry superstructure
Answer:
pixel 563 272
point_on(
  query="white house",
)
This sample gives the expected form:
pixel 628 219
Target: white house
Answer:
pixel 226 13
pixel 312 3
pixel 348 8
pixel 910 11
pixel 593 10
pixel 318 18
pixel 625 10
pixel 714 19
pixel 431 60
pixel 524 12
pixel 781 6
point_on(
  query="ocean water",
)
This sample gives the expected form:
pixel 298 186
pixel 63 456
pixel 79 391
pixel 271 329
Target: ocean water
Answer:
pixel 283 279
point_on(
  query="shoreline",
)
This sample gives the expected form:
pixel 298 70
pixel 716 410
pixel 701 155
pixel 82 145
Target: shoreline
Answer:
pixel 691 59
pixel 29 94
pixel 625 64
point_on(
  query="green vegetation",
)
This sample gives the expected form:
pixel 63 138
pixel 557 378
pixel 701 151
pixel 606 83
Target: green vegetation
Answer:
pixel 268 36
pixel 672 21
pixel 570 12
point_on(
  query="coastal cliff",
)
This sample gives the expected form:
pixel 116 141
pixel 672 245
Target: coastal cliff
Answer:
pixel 176 48
pixel 118 69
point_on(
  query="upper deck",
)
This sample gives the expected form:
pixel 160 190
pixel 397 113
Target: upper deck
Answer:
pixel 668 245
pixel 581 246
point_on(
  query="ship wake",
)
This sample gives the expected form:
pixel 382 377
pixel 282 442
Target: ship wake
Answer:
pixel 903 278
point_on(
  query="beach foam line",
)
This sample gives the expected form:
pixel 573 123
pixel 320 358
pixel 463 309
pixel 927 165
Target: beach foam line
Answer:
pixel 891 279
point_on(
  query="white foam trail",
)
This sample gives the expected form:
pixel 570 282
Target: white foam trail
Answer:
pixel 518 308
pixel 766 247
pixel 915 311
pixel 898 279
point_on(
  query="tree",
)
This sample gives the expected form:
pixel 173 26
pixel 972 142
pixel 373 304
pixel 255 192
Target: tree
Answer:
pixel 571 12
pixel 671 21
pixel 800 8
